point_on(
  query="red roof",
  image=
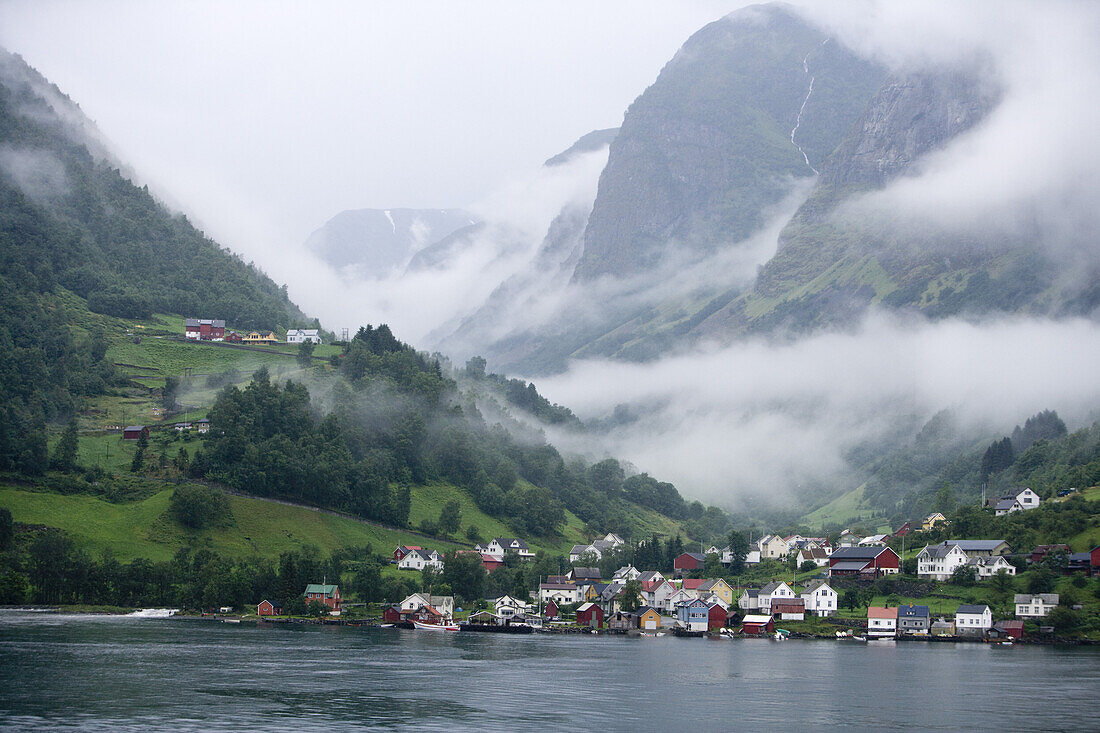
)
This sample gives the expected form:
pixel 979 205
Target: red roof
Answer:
pixel 880 612
pixel 693 583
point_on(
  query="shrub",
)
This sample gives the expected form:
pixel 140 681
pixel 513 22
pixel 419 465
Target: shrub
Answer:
pixel 199 506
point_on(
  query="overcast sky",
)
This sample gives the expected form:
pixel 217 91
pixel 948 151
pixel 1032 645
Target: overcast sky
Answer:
pixel 264 119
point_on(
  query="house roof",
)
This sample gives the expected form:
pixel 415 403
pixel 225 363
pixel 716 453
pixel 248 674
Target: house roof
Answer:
pixel 1010 624
pixel 135 427
pixel 858 553
pixel 696 555
pixel 880 612
pixel 755 619
pixel 586 606
pixel 579 549
pixel 327 590
pixel 590 573
pixel 710 584
pixel 693 583
pixel 557 586
pixel 815 584
pixel 850 565
pixel 972 608
pixel 509 541
pixel 936 552
pixel 649 575
pixel 788 603
pixel 1050 599
pixel 768 589
pixel 976 545
pixel 1004 504
pixel 643 610
pixel 913 612
pixel 752 592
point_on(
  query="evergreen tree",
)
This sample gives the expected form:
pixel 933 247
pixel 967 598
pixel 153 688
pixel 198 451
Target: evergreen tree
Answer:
pixel 64 454
pixel 139 455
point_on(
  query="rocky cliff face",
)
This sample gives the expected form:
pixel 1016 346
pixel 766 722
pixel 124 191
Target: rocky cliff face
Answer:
pixel 749 103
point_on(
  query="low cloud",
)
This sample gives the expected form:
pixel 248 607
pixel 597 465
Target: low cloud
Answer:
pixel 757 419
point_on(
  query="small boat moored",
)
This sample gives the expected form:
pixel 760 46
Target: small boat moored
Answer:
pixel 435 627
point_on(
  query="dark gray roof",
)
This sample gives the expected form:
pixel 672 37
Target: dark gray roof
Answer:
pixel 1005 503
pixel 971 608
pixel 912 611
pixel 976 545
pixel 850 565
pixel 753 592
pixel 858 553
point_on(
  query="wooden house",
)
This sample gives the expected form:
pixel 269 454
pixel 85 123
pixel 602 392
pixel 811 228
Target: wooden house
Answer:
pixel 589 614
pixel 914 619
pixel 269 608
pixel 1009 629
pixel 327 593
pixel 820 599
pixel 688 562
pixel 882 621
pixel 391 614
pixel 649 618
pixel 203 329
pixel 864 562
pixel 789 609
pixel 973 620
pixel 716 616
pixel 1034 605
pixel 134 432
pixel 622 621
pixel 551 611
pixel 694 615
pixel 756 625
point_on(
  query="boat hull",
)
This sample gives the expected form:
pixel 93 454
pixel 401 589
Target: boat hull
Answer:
pixel 435 627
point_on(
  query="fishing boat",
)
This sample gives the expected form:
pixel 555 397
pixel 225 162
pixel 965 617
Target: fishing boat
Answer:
pixel 435 627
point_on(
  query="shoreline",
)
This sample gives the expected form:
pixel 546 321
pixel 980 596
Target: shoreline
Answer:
pixel 136 613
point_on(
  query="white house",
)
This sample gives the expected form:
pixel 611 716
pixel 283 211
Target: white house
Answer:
pixel 614 539
pixel 1018 500
pixel 1035 606
pixel 420 559
pixel 626 573
pixel 772 546
pixel 875 540
pixel 445 605
pixel 815 554
pixel 501 545
pixel 507 606
pixel 678 598
pixel 559 593
pixel 938 562
pixel 752 557
pixel 656 593
pixel 987 567
pixel 749 600
pixel 650 576
pixel 971 620
pixel 882 622
pixel 774 591
pixel 820 598
pixel 300 335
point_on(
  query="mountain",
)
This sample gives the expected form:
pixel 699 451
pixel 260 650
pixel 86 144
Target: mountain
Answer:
pixel 378 242
pixel 706 149
pixel 77 235
pixel 737 199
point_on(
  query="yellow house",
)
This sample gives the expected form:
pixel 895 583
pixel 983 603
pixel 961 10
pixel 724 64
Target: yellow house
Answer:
pixel 932 520
pixel 649 619
pixel 590 593
pixel 719 588
pixel 255 337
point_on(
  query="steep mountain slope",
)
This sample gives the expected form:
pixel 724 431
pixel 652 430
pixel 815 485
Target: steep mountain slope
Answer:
pixel 750 102
pixel 377 242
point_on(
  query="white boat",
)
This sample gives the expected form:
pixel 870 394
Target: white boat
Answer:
pixel 435 627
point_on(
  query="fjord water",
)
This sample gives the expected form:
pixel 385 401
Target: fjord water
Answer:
pixel 128 673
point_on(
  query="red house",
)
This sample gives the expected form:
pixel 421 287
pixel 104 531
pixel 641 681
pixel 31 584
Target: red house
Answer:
pixel 134 432
pixel 716 617
pixel 864 562
pixel 757 625
pixel 1041 551
pixel 233 337
pixel 403 550
pixel 551 610
pixel 269 608
pixel 689 561
pixel 590 614
pixel 204 329
pixel 391 614
pixel 1012 628
pixel 903 530
pixel 327 594
pixel 491 562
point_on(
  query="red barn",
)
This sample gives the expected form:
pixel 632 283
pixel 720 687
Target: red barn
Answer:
pixel 204 329
pixel 551 610
pixel 716 617
pixel 233 337
pixel 903 530
pixel 689 561
pixel 269 608
pixel 491 562
pixel 590 614
pixel 864 562
pixel 391 614
pixel 757 625
pixel 134 432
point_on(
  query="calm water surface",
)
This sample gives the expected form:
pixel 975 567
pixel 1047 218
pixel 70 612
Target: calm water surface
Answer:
pixel 119 673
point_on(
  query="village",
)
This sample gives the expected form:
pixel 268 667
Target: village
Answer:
pixel 823 603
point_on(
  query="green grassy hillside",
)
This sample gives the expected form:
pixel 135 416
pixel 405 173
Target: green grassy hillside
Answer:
pixel 142 529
